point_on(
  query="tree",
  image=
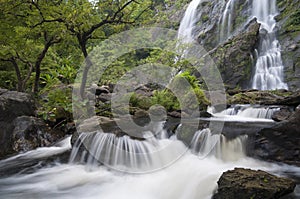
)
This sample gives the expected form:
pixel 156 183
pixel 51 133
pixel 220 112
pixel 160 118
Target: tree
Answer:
pixel 87 21
pixel 24 40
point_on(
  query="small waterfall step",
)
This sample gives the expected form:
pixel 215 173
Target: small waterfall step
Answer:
pixel 243 112
pixel 205 143
pixel 123 153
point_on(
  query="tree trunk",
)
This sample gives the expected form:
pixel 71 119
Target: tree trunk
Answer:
pixel 88 64
pixel 20 86
pixel 38 66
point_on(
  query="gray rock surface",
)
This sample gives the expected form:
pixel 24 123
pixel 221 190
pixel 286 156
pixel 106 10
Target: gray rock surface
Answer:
pixel 280 142
pixel 246 183
pixel 12 105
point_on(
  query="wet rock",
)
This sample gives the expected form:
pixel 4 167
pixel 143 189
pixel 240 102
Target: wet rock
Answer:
pixel 97 123
pixel 246 183
pixel 12 105
pixel 175 114
pixel 187 128
pixel 207 26
pixel 205 114
pixel 104 97
pixel 97 90
pixel 141 117
pixel 289 39
pixel 234 57
pixel 144 90
pixel 279 97
pixel 282 114
pixel 102 124
pixel 280 142
pixel 30 132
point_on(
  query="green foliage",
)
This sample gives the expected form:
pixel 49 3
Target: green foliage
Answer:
pixel 166 99
pixel 73 26
pixel 187 87
pixel 140 101
pixel 186 94
pixel 57 104
pixel 8 79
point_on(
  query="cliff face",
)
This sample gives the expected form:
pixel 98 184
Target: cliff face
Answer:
pixel 221 28
pixel 234 57
pixel 288 22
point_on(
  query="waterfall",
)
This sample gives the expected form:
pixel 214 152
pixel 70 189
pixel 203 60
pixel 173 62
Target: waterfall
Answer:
pixel 98 160
pixel 248 111
pixel 186 30
pixel 226 21
pixel 124 153
pixel 192 176
pixel 187 24
pixel 268 73
pixel 205 143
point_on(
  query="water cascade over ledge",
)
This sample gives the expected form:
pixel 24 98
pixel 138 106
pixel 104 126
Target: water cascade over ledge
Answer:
pixel 193 176
pixel 187 24
pixel 268 72
pixel 159 165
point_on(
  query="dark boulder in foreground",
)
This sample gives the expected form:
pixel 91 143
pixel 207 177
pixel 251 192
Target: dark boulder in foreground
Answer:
pixel 12 105
pixel 30 133
pixel 20 131
pixel 246 183
pixel 280 142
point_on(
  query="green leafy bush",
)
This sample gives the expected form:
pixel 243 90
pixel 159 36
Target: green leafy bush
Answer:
pixel 8 79
pixel 186 87
pixel 57 104
pixel 166 99
pixel 140 101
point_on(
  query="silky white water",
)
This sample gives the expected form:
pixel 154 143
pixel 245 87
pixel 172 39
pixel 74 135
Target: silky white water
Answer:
pixel 188 22
pixel 192 176
pixel 226 21
pixel 244 113
pixel 268 72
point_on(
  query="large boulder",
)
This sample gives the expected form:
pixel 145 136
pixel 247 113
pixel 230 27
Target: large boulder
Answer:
pixel 246 183
pixel 12 105
pixel 280 142
pixel 30 132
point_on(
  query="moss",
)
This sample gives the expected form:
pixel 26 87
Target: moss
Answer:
pixel 242 98
pixel 204 18
pixel 290 11
pixel 280 93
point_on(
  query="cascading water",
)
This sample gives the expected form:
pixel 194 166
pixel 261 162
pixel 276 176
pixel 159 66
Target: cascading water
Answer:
pixel 248 111
pixel 192 176
pixel 226 21
pixel 187 24
pixel 268 74
pixel 124 153
pixel 186 30
pixel 205 143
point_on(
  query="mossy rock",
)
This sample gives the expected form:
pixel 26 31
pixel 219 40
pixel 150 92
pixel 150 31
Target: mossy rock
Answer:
pixel 246 183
